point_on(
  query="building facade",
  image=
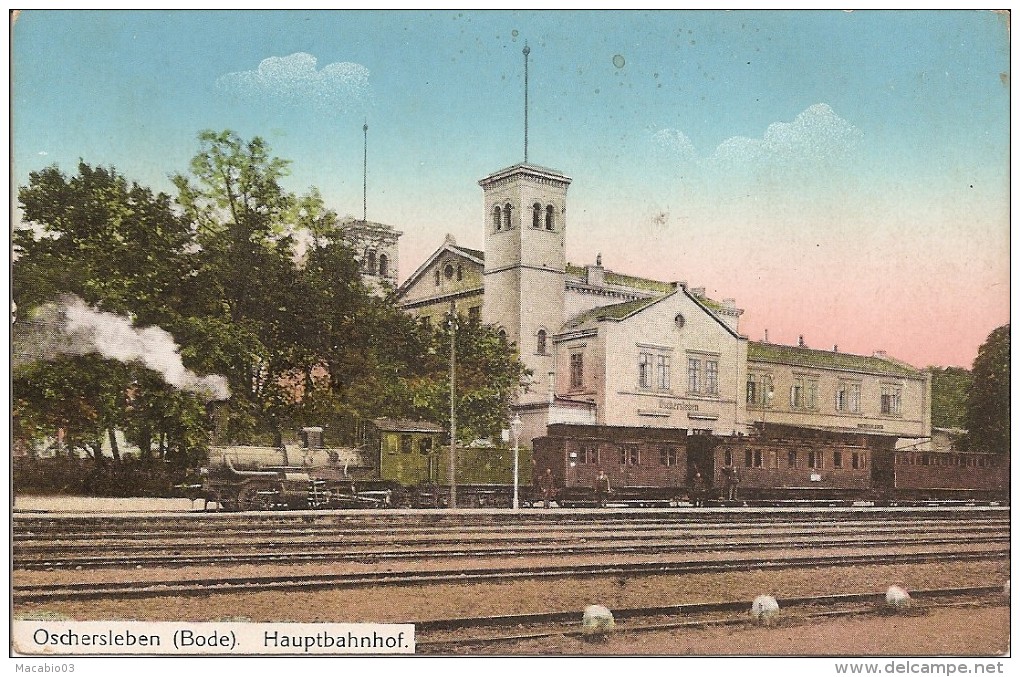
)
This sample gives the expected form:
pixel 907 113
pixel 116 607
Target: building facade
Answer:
pixel 611 349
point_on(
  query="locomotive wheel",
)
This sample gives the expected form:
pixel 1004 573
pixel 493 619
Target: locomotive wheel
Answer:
pixel 249 499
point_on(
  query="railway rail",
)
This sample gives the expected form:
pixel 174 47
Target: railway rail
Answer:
pixel 441 636
pixel 207 586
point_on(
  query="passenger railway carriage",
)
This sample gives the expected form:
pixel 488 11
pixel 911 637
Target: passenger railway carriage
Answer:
pixel 648 466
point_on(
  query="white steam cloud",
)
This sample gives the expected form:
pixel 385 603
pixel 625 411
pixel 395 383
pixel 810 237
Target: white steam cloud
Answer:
pixel 296 80
pixel 70 327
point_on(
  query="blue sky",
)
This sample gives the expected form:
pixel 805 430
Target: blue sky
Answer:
pixel 842 175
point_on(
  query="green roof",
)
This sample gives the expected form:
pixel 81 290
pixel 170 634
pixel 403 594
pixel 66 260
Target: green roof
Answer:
pixel 622 280
pixel 825 359
pixel 617 311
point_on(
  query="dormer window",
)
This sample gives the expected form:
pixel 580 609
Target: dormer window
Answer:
pixel 550 218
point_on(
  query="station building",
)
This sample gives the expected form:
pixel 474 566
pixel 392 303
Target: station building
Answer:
pixel 606 348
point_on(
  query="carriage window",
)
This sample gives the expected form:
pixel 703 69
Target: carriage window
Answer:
pixel 857 461
pixel 425 446
pixel 748 458
pixel 791 458
pixel 728 457
pixel 667 456
pixel 837 459
pixel 629 455
pixel 757 458
pixel 406 442
pixel 814 459
pixel 588 455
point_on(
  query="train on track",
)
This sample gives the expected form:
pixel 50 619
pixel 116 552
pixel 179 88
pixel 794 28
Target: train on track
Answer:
pixel 404 464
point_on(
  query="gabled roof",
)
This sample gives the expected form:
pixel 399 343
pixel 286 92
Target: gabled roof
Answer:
pixel 618 312
pixel 827 359
pixel 472 255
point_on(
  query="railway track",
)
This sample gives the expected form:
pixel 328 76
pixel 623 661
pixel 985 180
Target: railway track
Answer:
pixel 443 636
pixel 290 582
pixel 57 544
pixel 63 557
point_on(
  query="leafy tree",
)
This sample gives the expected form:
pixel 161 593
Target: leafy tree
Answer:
pixel 949 388
pixel 988 401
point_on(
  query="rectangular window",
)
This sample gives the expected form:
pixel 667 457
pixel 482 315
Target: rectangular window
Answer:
pixel 797 394
pixel 475 313
pixel 629 455
pixel 693 375
pixel 406 444
pixel 712 377
pixel 814 459
pixel 662 372
pixel 728 457
pixel 854 397
pixel 748 458
pixel 811 395
pixel 891 396
pixel 427 321
pixel 589 455
pixel 644 370
pixel 837 459
pixel 757 458
pixel 752 391
pixel 667 456
pixel 576 370
pixel 791 458
pixel 857 461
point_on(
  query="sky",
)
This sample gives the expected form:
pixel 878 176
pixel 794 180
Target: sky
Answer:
pixel 843 175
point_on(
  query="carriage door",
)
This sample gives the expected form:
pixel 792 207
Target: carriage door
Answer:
pixel 883 470
pixel 700 458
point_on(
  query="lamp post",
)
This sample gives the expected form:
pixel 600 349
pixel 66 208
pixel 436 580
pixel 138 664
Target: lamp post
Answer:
pixel 515 430
pixel 452 474
pixel 766 400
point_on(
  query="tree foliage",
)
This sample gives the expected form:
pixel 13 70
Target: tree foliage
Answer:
pixel 988 401
pixel 949 388
pixel 254 282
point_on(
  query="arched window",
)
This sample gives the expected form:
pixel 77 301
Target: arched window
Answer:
pixel 550 218
pixel 502 334
pixel 370 261
pixel 536 216
pixel 384 265
pixel 460 272
pixel 497 217
pixel 448 271
pixel 437 277
pixel 541 341
pixel 507 223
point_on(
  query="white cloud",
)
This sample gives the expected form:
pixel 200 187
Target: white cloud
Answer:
pixel 817 136
pixel 296 80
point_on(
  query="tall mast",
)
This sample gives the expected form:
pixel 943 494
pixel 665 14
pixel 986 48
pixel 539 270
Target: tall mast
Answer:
pixel 364 185
pixel 527 51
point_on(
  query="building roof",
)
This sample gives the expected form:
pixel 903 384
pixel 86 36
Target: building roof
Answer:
pixel 406 426
pixel 472 255
pixel 630 281
pixel 616 311
pixel 826 359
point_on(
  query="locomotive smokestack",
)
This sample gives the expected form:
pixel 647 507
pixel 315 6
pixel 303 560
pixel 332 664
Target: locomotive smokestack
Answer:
pixel 312 437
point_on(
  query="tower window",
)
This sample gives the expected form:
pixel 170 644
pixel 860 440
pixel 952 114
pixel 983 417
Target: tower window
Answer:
pixel 550 218
pixel 507 213
pixel 370 261
pixel 536 216
pixel 497 217
pixel 541 341
pixel 384 265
